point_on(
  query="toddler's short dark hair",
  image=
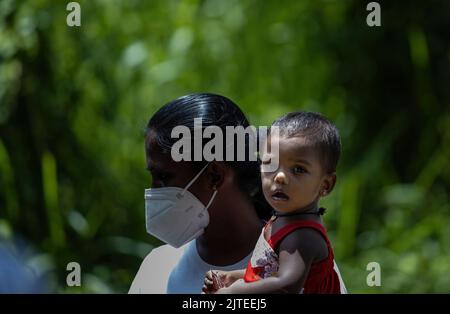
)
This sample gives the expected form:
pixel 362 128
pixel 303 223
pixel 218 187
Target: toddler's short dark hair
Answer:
pixel 317 130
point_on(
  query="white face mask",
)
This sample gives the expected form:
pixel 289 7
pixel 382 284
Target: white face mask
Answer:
pixel 174 215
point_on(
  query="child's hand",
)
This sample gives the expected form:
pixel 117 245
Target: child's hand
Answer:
pixel 229 289
pixel 217 279
pixel 213 281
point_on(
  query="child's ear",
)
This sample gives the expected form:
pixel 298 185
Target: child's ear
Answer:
pixel 328 184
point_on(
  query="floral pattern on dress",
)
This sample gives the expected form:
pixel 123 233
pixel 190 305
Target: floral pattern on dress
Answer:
pixel 264 259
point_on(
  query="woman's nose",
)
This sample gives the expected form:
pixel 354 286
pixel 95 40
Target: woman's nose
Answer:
pixel 281 178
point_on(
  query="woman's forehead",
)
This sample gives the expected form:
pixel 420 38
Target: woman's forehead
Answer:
pixel 156 159
pixel 162 161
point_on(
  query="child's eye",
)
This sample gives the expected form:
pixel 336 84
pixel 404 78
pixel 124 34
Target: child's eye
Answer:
pixel 299 169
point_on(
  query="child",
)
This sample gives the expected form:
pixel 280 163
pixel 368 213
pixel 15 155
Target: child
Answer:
pixel 293 253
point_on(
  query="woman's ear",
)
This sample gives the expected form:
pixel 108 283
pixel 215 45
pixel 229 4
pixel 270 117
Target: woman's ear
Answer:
pixel 216 173
pixel 328 184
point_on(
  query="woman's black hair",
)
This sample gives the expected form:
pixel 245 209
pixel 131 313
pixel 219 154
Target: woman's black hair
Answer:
pixel 214 110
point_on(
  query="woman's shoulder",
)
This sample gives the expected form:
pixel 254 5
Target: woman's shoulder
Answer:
pixel 164 250
pixel 155 269
pixel 164 254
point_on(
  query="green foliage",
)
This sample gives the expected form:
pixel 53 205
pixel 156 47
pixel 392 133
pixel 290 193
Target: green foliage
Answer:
pixel 74 102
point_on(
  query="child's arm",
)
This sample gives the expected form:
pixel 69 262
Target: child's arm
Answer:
pixel 296 254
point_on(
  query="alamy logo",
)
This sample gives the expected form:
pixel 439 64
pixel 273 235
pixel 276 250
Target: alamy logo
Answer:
pixel 74 277
pixel 374 277
pixel 374 17
pixel 239 143
pixel 74 17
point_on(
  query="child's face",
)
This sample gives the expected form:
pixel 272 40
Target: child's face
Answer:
pixel 299 180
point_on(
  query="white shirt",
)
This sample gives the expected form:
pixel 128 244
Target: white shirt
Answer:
pixel 170 270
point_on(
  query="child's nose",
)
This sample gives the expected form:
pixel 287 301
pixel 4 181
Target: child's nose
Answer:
pixel 281 178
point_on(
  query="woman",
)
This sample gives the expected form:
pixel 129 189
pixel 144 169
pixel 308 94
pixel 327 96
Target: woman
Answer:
pixel 228 192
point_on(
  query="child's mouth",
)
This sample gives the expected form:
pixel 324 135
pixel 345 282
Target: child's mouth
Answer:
pixel 279 196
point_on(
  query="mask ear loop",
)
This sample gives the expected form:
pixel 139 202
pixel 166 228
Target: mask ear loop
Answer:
pixel 193 180
pixel 212 197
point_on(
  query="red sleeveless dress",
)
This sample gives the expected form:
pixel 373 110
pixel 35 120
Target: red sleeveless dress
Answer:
pixel 323 276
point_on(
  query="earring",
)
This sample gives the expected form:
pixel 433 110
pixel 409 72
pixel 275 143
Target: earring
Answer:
pixel 214 188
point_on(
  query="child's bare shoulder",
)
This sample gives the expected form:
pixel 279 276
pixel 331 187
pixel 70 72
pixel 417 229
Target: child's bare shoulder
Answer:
pixel 309 242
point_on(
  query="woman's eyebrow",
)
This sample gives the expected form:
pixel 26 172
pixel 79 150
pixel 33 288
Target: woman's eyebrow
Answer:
pixel 155 167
